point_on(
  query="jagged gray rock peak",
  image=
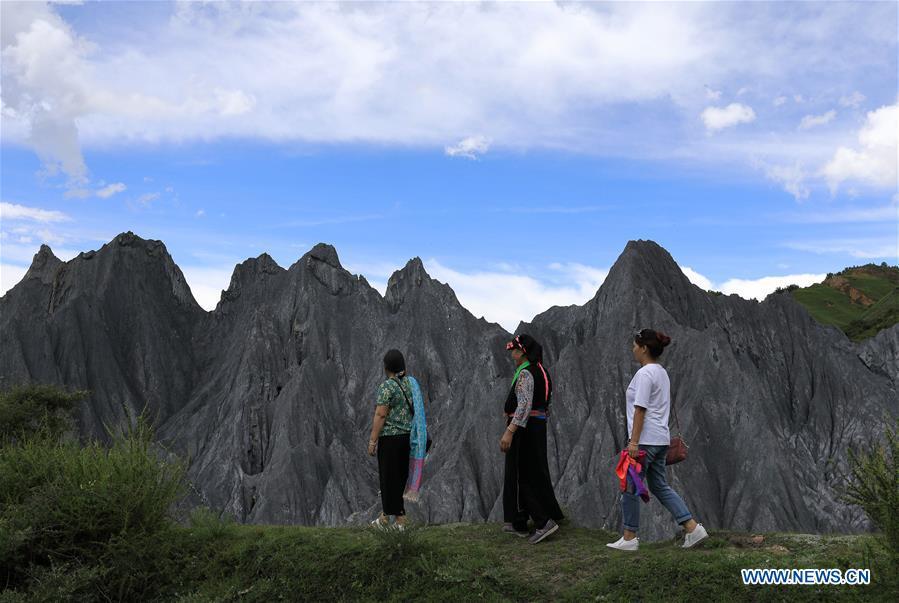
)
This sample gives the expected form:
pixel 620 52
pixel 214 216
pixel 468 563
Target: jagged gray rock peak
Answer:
pixel 271 395
pixel 43 266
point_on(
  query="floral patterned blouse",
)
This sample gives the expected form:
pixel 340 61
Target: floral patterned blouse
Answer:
pixel 399 419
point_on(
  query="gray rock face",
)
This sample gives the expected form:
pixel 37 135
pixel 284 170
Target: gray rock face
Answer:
pixel 881 353
pixel 118 321
pixel 271 394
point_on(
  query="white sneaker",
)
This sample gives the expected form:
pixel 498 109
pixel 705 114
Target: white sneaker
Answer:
pixel 625 545
pixel 695 537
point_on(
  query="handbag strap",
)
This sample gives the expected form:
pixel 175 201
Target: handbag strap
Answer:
pixel 405 397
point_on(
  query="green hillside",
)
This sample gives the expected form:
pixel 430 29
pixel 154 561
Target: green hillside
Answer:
pixel 860 300
pixel 211 561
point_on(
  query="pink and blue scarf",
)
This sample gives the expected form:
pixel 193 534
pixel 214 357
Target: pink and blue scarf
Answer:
pixel 418 443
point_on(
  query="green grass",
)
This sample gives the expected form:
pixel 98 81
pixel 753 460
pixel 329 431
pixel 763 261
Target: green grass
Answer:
pixel 882 314
pixel 213 561
pixel 465 562
pixel 831 306
pixel 828 306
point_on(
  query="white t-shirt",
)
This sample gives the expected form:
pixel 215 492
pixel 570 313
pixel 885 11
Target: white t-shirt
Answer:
pixel 651 389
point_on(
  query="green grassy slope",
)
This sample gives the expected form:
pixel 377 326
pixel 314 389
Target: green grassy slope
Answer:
pixel 465 562
pixel 860 301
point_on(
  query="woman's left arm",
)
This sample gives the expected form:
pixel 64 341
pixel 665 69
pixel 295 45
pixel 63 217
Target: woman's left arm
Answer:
pixel 382 409
pixel 377 424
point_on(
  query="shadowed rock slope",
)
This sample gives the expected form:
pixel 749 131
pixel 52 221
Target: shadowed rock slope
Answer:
pixel 271 394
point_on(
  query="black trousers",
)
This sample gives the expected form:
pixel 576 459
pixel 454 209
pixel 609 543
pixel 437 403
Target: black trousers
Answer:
pixel 528 489
pixel 393 471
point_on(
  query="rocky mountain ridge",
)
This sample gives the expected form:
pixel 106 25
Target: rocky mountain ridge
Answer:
pixel 270 395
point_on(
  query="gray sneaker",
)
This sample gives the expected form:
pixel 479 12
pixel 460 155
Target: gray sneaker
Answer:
pixel 551 527
pixel 508 528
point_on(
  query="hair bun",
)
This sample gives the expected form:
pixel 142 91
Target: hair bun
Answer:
pixel 663 339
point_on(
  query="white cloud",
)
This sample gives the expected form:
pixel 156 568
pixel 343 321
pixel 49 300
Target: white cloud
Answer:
pixel 112 189
pixel 760 288
pixel 792 177
pixel 509 298
pixel 853 100
pixel 712 95
pixel 469 147
pixel 201 213
pixel 234 102
pixel 718 118
pixel 376 273
pixel 618 79
pixel 207 283
pixel 865 249
pixel 757 288
pixel 78 193
pixel 697 279
pixel 780 100
pixel 43 65
pixel 11 211
pixel 585 279
pixel 847 215
pixel 811 121
pixel 873 162
pixel 521 75
pixel 10 275
pixel 147 198
pixel 23 255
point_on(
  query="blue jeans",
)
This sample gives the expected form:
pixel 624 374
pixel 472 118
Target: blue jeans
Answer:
pixel 653 475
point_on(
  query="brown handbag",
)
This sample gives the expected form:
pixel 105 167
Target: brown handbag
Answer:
pixel 677 449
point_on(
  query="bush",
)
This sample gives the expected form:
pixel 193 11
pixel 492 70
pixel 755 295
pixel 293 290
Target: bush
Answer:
pixel 874 486
pixel 27 410
pixel 71 511
pixel 210 524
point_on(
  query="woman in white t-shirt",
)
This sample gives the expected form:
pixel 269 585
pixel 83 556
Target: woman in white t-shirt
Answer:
pixel 648 404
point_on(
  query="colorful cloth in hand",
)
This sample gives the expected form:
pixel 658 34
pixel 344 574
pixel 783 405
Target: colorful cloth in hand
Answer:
pixel 633 467
pixel 639 486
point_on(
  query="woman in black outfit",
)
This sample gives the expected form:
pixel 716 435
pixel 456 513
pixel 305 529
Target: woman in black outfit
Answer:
pixel 528 489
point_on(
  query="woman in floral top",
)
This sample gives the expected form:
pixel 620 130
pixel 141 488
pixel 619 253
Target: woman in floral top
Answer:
pixel 389 439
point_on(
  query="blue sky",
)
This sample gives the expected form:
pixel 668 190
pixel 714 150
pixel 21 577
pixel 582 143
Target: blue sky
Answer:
pixel 514 148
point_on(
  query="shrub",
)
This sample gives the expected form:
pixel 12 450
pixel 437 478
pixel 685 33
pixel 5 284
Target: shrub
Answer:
pixel 90 509
pixel 874 486
pixel 27 410
pixel 211 525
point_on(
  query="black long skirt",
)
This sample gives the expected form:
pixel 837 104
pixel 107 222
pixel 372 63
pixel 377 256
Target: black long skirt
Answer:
pixel 528 489
pixel 393 471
